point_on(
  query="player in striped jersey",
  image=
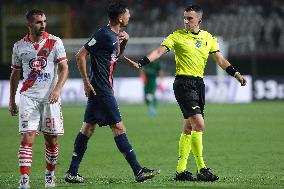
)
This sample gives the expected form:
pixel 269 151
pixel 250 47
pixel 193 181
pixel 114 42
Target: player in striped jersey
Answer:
pixel 192 47
pixel 42 59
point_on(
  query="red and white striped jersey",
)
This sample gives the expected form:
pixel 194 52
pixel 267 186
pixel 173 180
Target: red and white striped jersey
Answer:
pixel 39 63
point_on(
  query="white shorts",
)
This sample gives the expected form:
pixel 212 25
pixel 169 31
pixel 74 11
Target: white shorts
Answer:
pixel 40 116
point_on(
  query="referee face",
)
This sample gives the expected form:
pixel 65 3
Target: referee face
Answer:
pixel 191 21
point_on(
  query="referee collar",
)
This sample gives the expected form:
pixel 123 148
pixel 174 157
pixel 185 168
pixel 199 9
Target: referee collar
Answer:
pixel 193 32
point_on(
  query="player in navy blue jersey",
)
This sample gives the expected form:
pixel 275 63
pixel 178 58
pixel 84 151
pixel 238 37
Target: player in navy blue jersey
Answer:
pixel 104 48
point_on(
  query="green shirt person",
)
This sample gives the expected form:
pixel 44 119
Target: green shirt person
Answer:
pixel 192 47
pixel 149 74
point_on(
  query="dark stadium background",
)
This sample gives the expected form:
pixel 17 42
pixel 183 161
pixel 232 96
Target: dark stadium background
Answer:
pixel 252 28
pixel 242 142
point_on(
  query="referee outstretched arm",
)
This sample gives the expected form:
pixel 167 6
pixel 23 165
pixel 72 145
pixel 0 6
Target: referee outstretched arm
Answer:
pixel 225 65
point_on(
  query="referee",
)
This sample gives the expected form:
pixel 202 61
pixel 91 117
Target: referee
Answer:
pixel 192 47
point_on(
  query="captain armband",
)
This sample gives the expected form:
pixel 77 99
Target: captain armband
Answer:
pixel 144 61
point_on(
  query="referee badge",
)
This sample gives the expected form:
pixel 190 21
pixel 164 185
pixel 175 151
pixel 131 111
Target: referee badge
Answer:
pixel 198 44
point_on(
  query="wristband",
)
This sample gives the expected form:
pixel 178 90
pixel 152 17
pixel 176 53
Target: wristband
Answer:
pixel 144 61
pixel 231 70
pixel 236 74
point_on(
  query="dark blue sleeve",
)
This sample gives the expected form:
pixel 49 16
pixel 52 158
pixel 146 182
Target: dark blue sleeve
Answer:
pixel 93 44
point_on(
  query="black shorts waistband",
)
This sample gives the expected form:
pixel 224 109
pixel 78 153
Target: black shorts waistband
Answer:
pixel 188 77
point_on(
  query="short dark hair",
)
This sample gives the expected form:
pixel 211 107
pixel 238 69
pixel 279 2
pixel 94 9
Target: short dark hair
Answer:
pixel 115 9
pixel 32 12
pixel 195 8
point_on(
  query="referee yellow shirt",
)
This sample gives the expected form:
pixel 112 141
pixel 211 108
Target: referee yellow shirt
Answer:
pixel 191 51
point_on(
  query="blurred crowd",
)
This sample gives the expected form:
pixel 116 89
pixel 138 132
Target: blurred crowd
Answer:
pixel 231 19
pixel 250 27
pixel 91 14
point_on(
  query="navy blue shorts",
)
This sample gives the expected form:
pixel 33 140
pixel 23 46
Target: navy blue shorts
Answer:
pixel 102 110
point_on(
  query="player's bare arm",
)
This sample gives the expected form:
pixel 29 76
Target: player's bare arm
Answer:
pixel 54 95
pixel 225 64
pixel 123 37
pixel 131 62
pixel 81 63
pixel 151 57
pixel 14 82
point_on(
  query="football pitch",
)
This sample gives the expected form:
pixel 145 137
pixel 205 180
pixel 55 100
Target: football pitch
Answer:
pixel 243 145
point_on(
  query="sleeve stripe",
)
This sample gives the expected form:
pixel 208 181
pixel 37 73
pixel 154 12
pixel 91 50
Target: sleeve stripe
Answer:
pixel 16 67
pixel 61 59
pixel 214 52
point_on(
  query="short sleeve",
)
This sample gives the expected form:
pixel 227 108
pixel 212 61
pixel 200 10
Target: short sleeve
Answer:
pixel 92 45
pixel 215 45
pixel 168 42
pixel 60 54
pixel 16 60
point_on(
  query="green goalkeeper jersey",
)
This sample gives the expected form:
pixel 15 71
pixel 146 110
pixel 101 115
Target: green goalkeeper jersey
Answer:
pixel 151 72
pixel 191 51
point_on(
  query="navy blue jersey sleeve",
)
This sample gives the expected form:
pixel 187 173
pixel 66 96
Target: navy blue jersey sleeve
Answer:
pixel 92 45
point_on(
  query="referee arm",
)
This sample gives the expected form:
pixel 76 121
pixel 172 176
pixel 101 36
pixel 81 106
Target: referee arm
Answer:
pixel 157 53
pixel 151 57
pixel 225 65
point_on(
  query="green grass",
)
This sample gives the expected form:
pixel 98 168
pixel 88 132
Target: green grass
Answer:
pixel 243 144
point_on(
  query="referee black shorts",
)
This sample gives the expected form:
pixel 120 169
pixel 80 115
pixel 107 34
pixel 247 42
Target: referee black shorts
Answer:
pixel 190 95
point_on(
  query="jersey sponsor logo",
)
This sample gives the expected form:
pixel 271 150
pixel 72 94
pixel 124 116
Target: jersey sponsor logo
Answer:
pixel 92 42
pixel 38 63
pixel 43 77
pixel 198 44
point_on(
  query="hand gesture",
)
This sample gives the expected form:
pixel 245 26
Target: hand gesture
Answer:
pixel 241 79
pixel 131 62
pixel 54 96
pixel 88 88
pixel 13 109
pixel 123 36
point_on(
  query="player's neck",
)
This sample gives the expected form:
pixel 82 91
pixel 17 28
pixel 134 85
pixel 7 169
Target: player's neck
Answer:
pixel 35 39
pixel 115 27
pixel 195 30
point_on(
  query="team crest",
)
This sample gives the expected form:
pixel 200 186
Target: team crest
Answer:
pixel 114 56
pixel 38 63
pixel 198 44
pixel 45 50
